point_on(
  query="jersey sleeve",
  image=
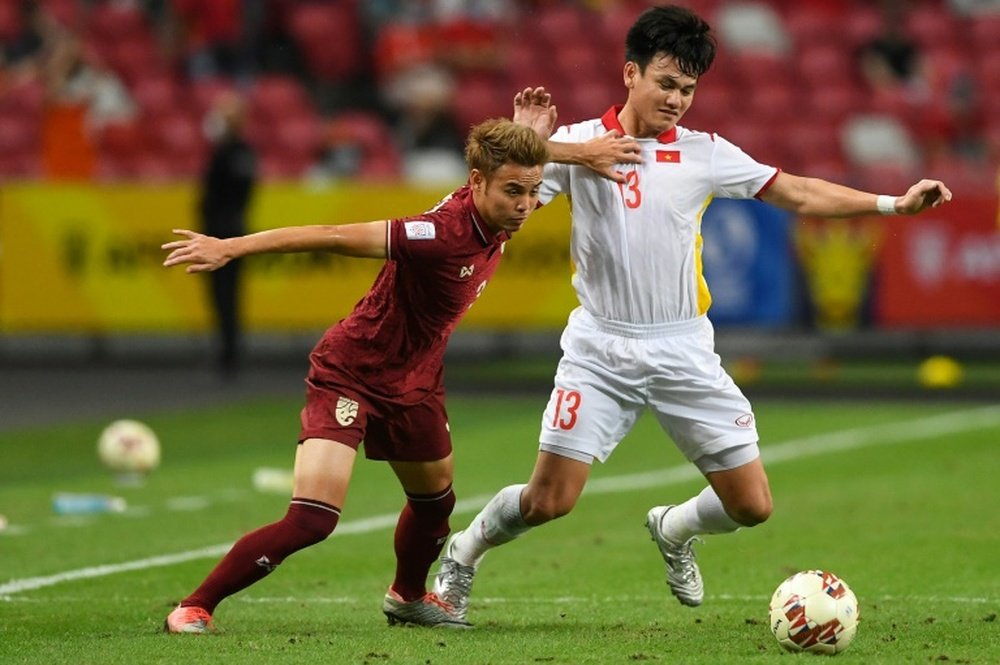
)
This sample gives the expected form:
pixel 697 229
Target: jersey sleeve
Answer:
pixel 414 239
pixel 737 175
pixel 555 177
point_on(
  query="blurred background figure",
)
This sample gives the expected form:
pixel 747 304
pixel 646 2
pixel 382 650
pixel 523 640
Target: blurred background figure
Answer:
pixel 226 189
pixel 83 95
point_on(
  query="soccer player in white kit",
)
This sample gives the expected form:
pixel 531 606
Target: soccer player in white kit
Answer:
pixel 640 337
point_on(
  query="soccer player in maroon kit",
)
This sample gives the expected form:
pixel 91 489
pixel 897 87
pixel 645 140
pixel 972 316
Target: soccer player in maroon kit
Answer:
pixel 377 375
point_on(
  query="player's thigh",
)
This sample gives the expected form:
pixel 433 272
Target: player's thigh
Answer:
pixel 694 399
pixel 323 470
pixel 411 433
pixel 590 410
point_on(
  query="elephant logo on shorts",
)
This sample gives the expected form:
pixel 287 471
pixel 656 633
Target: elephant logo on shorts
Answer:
pixel 346 411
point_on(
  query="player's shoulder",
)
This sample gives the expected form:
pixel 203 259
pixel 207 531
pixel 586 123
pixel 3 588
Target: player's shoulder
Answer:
pixel 696 137
pixel 447 218
pixel 583 130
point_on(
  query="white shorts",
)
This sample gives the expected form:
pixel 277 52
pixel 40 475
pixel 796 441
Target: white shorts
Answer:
pixel 610 372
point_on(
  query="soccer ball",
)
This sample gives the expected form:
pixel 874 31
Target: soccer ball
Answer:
pixel 814 611
pixel 129 447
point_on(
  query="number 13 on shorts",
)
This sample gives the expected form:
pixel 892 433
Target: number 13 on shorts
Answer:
pixel 567 404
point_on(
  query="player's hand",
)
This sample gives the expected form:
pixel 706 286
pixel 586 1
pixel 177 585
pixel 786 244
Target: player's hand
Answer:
pixel 602 153
pixel 925 194
pixel 202 253
pixel 533 108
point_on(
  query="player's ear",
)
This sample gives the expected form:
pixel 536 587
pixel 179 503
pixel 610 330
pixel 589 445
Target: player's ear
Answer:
pixel 477 180
pixel 630 73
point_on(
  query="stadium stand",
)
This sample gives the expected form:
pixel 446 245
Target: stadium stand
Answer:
pixel 780 64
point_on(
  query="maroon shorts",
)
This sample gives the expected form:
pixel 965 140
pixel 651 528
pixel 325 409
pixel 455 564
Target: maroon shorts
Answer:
pixel 390 431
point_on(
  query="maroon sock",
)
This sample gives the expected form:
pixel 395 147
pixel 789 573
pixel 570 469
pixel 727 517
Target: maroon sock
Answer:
pixel 420 534
pixel 256 554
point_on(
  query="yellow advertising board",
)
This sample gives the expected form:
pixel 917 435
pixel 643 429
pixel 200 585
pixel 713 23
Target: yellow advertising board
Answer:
pixel 87 258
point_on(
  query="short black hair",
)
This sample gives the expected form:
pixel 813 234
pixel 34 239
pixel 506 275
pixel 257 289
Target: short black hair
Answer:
pixel 675 31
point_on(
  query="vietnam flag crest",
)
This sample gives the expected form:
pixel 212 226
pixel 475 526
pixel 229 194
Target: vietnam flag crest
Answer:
pixel 668 156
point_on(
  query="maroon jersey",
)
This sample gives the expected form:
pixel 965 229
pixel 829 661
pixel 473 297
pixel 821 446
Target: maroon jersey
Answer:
pixel 392 345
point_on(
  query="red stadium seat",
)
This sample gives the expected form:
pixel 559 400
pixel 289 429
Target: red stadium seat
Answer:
pixel 329 34
pixel 931 26
pixel 20 165
pixel 810 26
pixel 178 134
pixel 122 140
pixel 277 96
pixel 479 98
pixel 156 94
pixel 774 100
pixel 861 24
pixel 19 132
pixel 133 59
pixel 984 29
pixel 10 20
pixel 299 136
pixel 833 103
pixel 207 91
pixel 712 105
pixel 279 166
pixel 826 64
pixel 110 21
pixel 559 23
pixel 808 141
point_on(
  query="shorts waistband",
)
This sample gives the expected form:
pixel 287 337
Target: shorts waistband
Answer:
pixel 639 330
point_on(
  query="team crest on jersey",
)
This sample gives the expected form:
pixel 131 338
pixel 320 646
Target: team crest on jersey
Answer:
pixel 346 411
pixel 419 230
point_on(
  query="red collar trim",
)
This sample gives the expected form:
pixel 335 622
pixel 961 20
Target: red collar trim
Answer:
pixel 610 121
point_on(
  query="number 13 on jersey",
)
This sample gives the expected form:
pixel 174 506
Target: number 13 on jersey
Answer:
pixel 567 404
pixel 630 189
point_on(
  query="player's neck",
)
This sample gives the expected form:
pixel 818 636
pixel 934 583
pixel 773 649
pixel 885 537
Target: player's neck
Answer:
pixel 634 127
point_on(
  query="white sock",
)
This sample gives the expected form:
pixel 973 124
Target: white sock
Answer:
pixel 700 514
pixel 499 522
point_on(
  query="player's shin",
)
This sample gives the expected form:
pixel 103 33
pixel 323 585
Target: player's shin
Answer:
pixel 499 522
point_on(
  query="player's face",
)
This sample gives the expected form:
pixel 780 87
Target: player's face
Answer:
pixel 657 97
pixel 509 195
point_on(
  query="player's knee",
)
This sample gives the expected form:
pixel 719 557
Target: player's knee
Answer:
pixel 752 512
pixel 314 523
pixel 437 506
pixel 538 509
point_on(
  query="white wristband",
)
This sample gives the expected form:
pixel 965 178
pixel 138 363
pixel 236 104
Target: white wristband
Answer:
pixel 886 204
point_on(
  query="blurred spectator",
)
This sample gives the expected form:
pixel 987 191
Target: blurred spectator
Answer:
pixel 425 127
pixel 82 96
pixel 208 36
pixel 891 60
pixel 24 49
pixel 969 7
pixel 227 186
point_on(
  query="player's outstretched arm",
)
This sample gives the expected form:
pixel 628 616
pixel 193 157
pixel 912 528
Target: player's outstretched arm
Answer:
pixel 820 198
pixel 204 253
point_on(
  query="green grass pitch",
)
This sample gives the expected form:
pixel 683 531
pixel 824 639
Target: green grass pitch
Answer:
pixel 900 499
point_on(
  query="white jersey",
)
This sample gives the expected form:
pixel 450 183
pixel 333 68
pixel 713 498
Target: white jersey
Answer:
pixel 637 246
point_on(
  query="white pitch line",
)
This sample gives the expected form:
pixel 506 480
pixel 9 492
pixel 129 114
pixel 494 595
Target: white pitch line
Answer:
pixel 884 434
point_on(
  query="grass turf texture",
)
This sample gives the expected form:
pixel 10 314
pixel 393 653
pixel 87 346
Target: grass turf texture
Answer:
pixel 912 527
